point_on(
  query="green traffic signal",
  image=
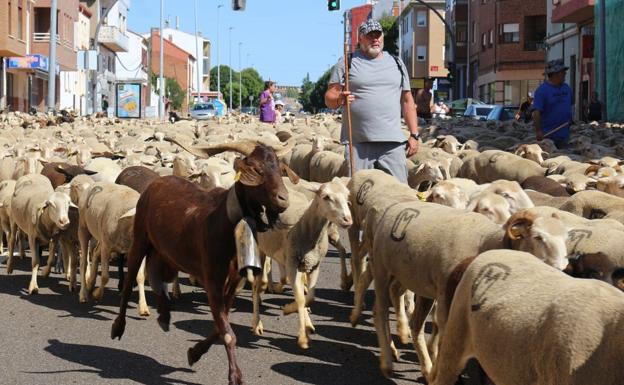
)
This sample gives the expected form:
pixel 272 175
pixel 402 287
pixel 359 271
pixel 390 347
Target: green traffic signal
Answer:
pixel 333 5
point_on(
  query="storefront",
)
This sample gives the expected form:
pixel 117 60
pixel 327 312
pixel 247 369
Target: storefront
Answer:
pixel 27 82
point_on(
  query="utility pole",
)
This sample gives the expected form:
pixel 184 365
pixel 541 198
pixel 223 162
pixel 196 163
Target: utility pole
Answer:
pixel 161 93
pixel 230 43
pixel 401 30
pixel 218 60
pixel 240 77
pixel 197 54
pixel 603 59
pixel 52 62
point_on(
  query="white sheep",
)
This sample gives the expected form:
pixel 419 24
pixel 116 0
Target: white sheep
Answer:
pixel 507 302
pixel 40 213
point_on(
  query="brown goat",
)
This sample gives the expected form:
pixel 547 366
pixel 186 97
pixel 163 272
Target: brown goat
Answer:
pixel 60 172
pixel 137 178
pixel 597 266
pixel 181 227
pixel 544 185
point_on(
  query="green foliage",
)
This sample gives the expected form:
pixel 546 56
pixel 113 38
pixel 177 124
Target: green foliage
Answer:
pixel 391 34
pixel 317 96
pixel 252 84
pixel 306 89
pixel 173 91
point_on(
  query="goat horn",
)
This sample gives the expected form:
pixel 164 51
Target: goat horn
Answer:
pixel 244 147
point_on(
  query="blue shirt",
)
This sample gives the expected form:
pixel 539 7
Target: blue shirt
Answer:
pixel 555 106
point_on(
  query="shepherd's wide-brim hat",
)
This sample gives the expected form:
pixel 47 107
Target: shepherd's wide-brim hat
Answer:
pixel 369 26
pixel 555 66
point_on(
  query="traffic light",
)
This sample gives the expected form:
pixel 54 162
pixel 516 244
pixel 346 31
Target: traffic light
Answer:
pixel 238 5
pixel 451 72
pixel 333 5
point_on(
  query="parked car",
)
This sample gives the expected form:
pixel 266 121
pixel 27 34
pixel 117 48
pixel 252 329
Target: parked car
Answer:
pixel 458 107
pixel 203 111
pixel 479 111
pixel 250 110
pixel 502 113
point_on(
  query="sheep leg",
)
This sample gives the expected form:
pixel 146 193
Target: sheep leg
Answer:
pixel 69 256
pixel 11 260
pixel 267 278
pixel 51 257
pixel 358 296
pixel 93 268
pixel 356 256
pixel 422 309
pixel 346 281
pixel 298 289
pixel 256 323
pixel 20 244
pixel 397 295
pixel 382 302
pixel 105 256
pixel 140 280
pixel 454 352
pixel 34 251
pixel 83 238
pixel 312 280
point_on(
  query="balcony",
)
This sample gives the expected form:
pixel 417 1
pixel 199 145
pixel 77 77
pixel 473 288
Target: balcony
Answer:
pixel 572 11
pixel 534 46
pixel 44 37
pixel 114 39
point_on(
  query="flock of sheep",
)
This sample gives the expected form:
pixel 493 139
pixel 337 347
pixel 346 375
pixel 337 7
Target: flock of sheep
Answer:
pixel 479 238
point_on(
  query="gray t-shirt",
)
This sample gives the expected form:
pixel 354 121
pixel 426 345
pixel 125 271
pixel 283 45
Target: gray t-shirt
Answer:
pixel 377 87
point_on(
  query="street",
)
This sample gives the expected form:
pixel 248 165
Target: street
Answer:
pixel 50 338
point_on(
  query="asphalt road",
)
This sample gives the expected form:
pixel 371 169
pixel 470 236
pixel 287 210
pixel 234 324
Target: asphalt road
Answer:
pixel 50 338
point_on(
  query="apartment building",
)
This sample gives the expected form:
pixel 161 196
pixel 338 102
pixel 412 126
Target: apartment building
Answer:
pixel 506 48
pixel 191 44
pixel 423 44
pixel 457 18
pixel 67 16
pixel 178 63
pixel 15 24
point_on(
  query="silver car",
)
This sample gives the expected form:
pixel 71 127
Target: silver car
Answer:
pixel 203 111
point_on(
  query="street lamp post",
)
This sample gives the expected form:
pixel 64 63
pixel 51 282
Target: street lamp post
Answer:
pixel 240 77
pixel 161 96
pixel 230 44
pixel 218 60
pixel 197 54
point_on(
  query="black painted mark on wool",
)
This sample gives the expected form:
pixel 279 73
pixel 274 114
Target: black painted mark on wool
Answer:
pixel 402 221
pixel 576 236
pixel 92 194
pixel 363 191
pixel 487 277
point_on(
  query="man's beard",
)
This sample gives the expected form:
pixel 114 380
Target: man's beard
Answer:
pixel 372 52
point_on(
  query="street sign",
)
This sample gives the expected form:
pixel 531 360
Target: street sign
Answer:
pixel 251 98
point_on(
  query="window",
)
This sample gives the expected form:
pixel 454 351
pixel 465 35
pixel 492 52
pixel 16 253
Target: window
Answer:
pixel 421 19
pixel 460 34
pixel 474 32
pixel 9 14
pixel 534 32
pixel 421 52
pixel 491 37
pixel 483 41
pixel 20 15
pixel 510 33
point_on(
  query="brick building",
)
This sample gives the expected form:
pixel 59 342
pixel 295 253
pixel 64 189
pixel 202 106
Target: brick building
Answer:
pixel 354 17
pixel 14 42
pixel 506 48
pixel 178 64
pixel 67 16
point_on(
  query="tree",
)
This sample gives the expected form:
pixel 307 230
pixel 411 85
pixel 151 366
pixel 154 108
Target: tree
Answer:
pixel 252 85
pixel 173 91
pixel 391 34
pixel 317 96
pixel 306 89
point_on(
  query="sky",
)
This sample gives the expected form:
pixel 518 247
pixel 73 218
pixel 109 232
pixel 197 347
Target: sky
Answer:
pixel 282 40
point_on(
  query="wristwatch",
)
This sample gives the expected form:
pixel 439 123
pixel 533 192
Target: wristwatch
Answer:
pixel 415 136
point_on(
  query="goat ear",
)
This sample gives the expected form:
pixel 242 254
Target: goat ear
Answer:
pixel 287 171
pixel 246 174
pixel 89 172
pixel 518 228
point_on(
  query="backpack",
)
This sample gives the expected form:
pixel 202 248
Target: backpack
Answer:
pixel 396 60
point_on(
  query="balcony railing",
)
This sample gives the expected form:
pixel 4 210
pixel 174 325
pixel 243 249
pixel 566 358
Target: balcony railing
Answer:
pixel 534 46
pixel 44 37
pixel 114 39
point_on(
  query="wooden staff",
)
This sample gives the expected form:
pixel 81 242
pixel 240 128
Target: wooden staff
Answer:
pixel 556 129
pixel 348 105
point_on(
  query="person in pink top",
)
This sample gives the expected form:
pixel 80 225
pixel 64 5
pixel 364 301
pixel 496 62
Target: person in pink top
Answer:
pixel 267 104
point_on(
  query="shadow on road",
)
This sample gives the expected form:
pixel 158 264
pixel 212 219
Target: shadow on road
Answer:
pixel 114 363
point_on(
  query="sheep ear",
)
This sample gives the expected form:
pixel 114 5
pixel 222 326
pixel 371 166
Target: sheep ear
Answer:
pixel 128 214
